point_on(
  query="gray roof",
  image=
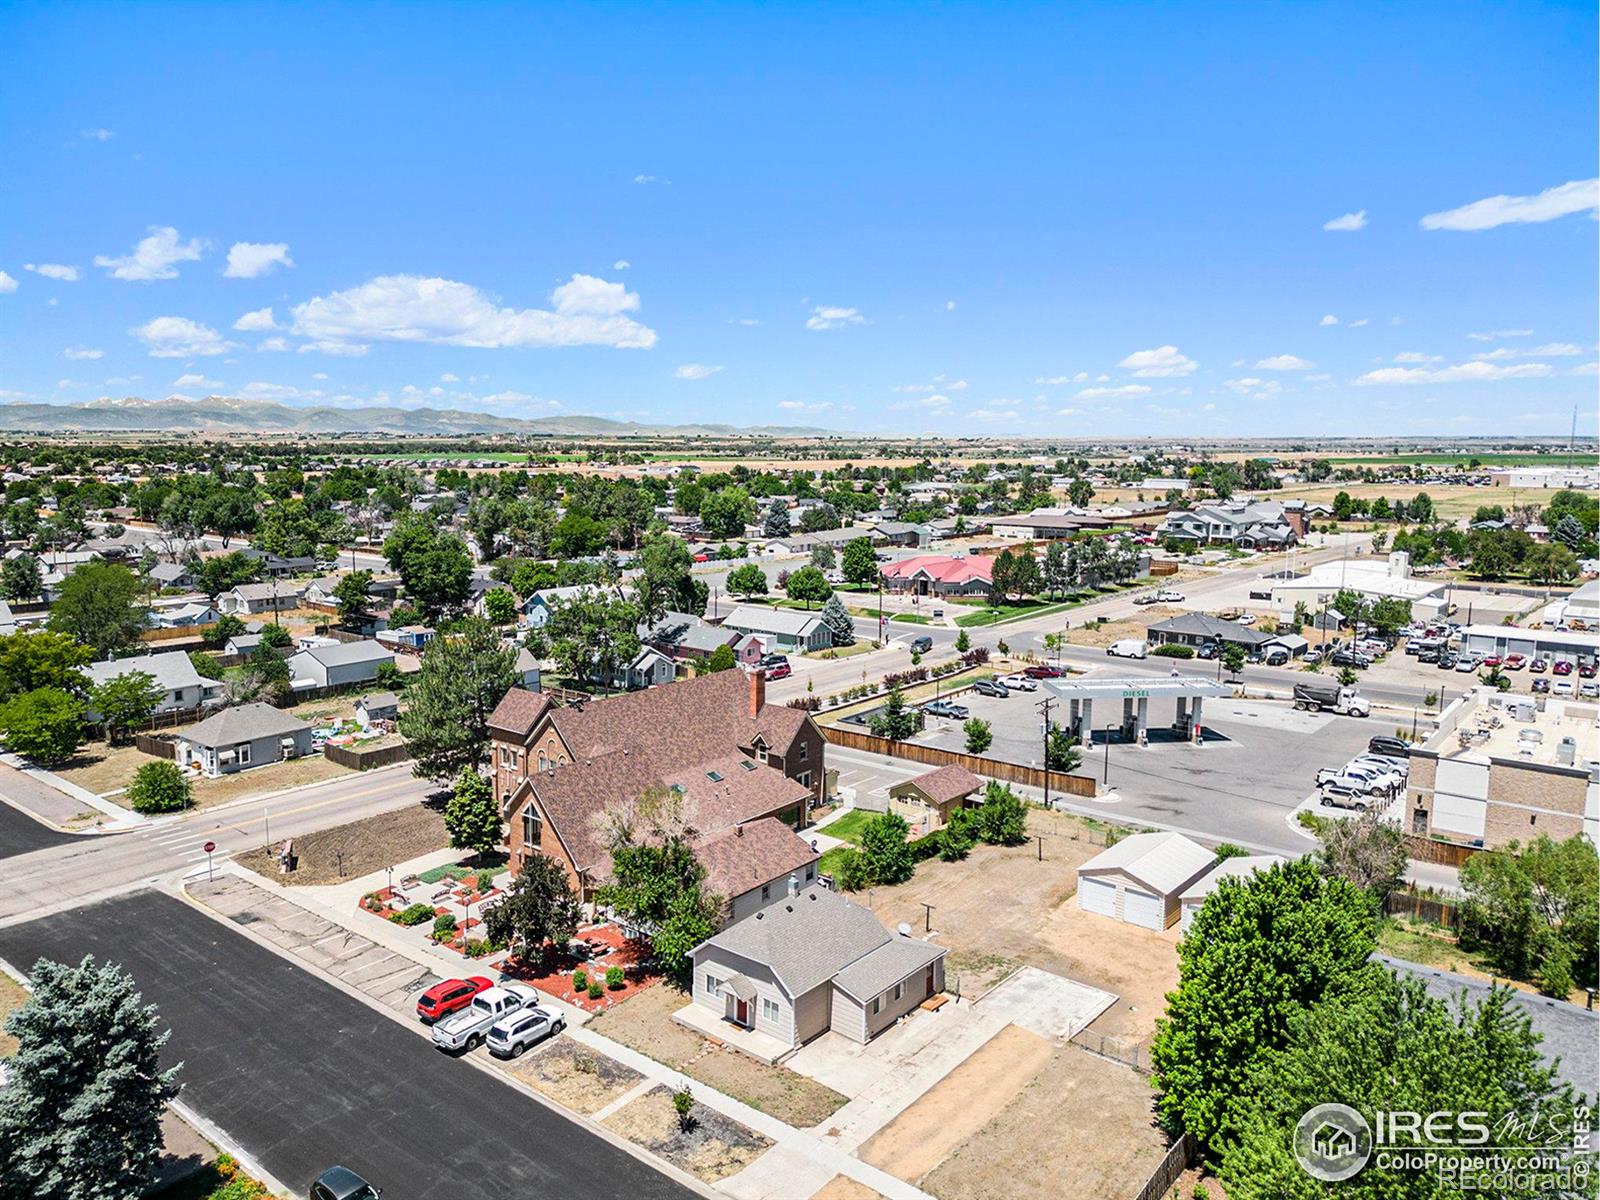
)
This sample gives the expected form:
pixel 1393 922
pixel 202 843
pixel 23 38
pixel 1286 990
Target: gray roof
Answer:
pixel 1239 866
pixel 879 970
pixel 806 939
pixel 685 631
pixel 247 723
pixel 283 589
pixel 380 700
pixel 1215 628
pixel 755 618
pixel 168 572
pixel 171 670
pixel 1166 862
pixel 346 653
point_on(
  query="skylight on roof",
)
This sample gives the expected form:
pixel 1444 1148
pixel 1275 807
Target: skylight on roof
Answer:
pixel 714 776
pixel 747 764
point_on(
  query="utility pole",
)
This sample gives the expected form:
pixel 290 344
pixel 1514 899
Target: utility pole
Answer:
pixel 1106 779
pixel 1044 708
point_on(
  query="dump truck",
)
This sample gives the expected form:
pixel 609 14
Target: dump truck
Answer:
pixel 1318 695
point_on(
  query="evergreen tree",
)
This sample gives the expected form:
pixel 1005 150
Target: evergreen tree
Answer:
pixel 464 675
pixel 776 523
pixel 537 910
pixel 840 626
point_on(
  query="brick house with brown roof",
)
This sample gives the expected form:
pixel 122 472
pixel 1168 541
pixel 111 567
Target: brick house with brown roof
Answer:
pixel 732 760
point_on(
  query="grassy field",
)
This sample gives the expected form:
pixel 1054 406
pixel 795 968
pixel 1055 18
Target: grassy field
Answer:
pixel 1450 460
pixel 1000 614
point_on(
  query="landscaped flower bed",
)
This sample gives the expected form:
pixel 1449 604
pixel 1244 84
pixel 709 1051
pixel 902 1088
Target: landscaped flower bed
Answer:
pixel 608 951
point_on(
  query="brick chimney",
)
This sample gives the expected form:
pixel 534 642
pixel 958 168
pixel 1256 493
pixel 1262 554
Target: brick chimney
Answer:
pixel 758 692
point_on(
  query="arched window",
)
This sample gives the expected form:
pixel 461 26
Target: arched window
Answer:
pixel 543 762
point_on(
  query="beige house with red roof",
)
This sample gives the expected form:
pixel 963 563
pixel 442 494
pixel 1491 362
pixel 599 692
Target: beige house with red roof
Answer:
pixel 927 800
pixel 746 774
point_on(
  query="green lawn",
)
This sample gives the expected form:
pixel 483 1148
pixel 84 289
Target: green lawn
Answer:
pixel 910 618
pixel 828 864
pixel 1487 460
pixel 1013 612
pixel 848 827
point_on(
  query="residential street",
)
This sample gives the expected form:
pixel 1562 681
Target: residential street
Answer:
pixel 304 1076
pixel 58 870
pixel 20 833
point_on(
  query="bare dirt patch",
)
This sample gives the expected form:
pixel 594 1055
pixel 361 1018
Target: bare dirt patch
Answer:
pixel 959 1105
pixel 100 768
pixel 362 846
pixel 842 1187
pixel 1100 1134
pixel 645 1023
pixel 1131 627
pixel 573 1075
pixel 712 1148
pixel 104 770
pixel 12 997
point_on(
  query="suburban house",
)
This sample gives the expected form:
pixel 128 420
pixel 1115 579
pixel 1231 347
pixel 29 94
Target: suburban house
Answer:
pixel 184 616
pixel 379 706
pixel 901 533
pixel 275 566
pixel 712 744
pixel 747 865
pixel 236 739
pixel 1141 878
pixel 1197 629
pixel 339 664
pixel 1043 525
pixel 686 637
pixel 1239 867
pixel 940 575
pixel 927 800
pixel 413 638
pixel 787 629
pixel 812 963
pixel 170 575
pixel 1247 524
pixel 646 669
pixel 180 684
pixel 278 595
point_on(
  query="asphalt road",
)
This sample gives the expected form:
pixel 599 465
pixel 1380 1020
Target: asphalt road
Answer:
pixel 303 1076
pixel 20 833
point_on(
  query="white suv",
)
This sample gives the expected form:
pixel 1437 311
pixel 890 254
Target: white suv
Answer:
pixel 510 1036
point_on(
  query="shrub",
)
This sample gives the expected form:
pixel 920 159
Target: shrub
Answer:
pixel 580 980
pixel 683 1105
pixel 595 989
pixel 850 872
pixel 1171 651
pixel 615 979
pixel 444 927
pixel 416 914
pixel 477 948
pixel 158 787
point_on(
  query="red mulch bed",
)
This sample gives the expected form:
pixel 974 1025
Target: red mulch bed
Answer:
pixel 553 974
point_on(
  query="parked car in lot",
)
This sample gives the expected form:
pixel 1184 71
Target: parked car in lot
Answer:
pixel 1428 655
pixel 1466 663
pixel 467 1029
pixel 510 1036
pixel 991 687
pixel 1043 671
pixel 1563 687
pixel 1561 667
pixel 1342 795
pixel 1491 660
pixel 1541 686
pixel 1539 664
pixel 1587 668
pixel 1310 658
pixel 341 1183
pixel 1247 619
pixel 1368 783
pixel 1351 658
pixel 1020 683
pixel 1589 689
pixel 1392 746
pixel 944 708
pixel 1208 650
pixel 1514 662
pixel 450 996
pixel 1447 662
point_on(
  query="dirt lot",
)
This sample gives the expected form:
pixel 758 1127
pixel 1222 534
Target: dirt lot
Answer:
pixel 1002 908
pixel 368 845
pixel 1101 636
pixel 959 1105
pixel 645 1023
pixel 104 770
pixel 1097 1131
pixel 12 997
pixel 842 1187
pixel 573 1075
pixel 712 1148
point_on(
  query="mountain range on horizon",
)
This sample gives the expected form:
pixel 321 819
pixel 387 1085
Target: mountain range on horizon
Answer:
pixel 225 414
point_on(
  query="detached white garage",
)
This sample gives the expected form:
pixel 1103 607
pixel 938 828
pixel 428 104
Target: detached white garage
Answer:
pixel 1140 879
pixel 1238 867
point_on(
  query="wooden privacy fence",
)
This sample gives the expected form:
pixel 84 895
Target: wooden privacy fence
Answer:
pixel 1417 907
pixel 1450 854
pixel 1179 1159
pixel 367 760
pixel 994 768
pixel 159 747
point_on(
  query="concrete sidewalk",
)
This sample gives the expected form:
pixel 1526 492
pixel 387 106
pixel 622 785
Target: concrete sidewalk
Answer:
pixel 59 803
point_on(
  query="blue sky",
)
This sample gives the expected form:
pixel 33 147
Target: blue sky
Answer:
pixel 1070 220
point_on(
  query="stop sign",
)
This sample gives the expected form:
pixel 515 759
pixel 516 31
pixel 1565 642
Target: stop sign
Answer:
pixel 209 847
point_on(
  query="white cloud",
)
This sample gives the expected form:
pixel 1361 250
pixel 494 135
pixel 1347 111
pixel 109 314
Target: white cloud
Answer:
pixel 179 337
pixel 1580 195
pixel 949 306
pixel 1358 324
pixel 449 377
pixel 1284 362
pixel 258 390
pixel 802 406
pixel 1330 319
pixel 332 346
pixel 1548 350
pixel 992 414
pixel 1161 363
pixel 1592 368
pixel 194 380
pixel 826 316
pixel 621 264
pixel 83 352
pixel 1348 223
pixel 319 375
pixel 251 260
pixel 97 135
pixel 1110 393
pixel 413 308
pixel 58 271
pixel 258 321
pixel 274 345
pixel 1495 335
pixel 155 257
pixel 1260 389
pixel 1416 356
pixel 1052 380
pixel 7 284
pixel 644 179
pixel 1472 372
pixel 695 371
pixel 745 321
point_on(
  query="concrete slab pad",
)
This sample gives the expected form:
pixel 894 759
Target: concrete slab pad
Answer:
pixel 1046 1004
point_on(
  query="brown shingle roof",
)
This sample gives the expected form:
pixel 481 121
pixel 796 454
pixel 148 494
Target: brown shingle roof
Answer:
pixel 746 856
pixel 518 712
pixel 947 783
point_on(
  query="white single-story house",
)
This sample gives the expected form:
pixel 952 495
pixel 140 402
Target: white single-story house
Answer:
pixel 342 663
pixel 812 963
pixel 181 685
pixel 1238 867
pixel 280 595
pixel 527 670
pixel 1140 879
pixel 781 628
pixel 379 706
pixel 236 739
pixel 184 616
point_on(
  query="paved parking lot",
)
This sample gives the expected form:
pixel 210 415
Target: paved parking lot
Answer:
pixel 303 1075
pixel 20 833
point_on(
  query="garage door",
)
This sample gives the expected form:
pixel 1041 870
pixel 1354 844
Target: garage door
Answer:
pixel 1097 896
pixel 1141 908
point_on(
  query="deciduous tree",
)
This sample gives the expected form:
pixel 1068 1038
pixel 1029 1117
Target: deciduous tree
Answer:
pixel 859 563
pixel 537 910
pixel 472 817
pixel 464 675
pixel 99 605
pixel 125 702
pixel 44 725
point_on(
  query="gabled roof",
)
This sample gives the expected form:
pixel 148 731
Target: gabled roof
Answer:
pixel 346 653
pixel 518 712
pixel 946 783
pixel 746 856
pixel 1164 862
pixel 1215 628
pixel 247 723
pixel 171 670
pixel 806 940
pixel 756 618
pixel 880 969
pixel 1238 867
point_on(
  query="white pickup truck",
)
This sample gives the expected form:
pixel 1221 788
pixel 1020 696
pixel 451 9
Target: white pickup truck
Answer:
pixel 467 1029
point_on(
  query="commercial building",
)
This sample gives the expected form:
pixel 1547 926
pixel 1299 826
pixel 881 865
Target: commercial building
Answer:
pixel 1545 477
pixel 1373 579
pixel 940 575
pixel 1570 644
pixel 1188 692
